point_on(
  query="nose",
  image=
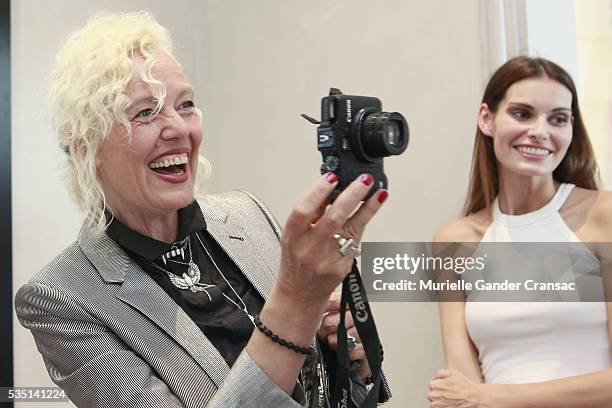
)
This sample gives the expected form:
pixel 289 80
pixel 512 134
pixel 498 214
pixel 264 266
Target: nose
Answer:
pixel 174 126
pixel 539 129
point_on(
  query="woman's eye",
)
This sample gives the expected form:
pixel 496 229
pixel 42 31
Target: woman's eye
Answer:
pixel 187 105
pixel 144 114
pixel 520 114
pixel 559 120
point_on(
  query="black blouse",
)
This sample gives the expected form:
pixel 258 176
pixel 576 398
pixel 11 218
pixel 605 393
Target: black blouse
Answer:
pixel 224 323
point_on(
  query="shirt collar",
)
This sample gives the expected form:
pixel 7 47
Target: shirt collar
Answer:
pixel 190 220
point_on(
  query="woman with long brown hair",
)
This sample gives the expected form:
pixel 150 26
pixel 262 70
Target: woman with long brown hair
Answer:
pixel 533 179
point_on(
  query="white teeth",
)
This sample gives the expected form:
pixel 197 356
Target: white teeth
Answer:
pixel 533 150
pixel 181 159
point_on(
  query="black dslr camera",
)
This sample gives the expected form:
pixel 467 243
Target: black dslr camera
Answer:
pixel 354 135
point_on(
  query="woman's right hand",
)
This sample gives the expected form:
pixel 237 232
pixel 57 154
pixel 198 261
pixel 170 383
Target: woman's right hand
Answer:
pixel 311 263
pixel 311 267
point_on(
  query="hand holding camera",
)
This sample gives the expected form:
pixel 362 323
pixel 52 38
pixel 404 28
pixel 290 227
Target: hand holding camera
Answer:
pixel 354 135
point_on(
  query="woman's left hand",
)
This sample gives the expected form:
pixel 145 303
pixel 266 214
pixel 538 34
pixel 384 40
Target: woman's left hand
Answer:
pixel 328 333
pixel 450 388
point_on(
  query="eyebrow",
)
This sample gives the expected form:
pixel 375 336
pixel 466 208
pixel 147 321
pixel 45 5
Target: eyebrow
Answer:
pixel 185 91
pixel 525 105
pixel 150 98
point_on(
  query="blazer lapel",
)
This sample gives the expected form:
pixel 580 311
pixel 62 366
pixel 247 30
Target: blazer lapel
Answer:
pixel 140 291
pixel 245 250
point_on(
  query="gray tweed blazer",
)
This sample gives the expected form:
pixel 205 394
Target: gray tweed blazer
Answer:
pixel 111 337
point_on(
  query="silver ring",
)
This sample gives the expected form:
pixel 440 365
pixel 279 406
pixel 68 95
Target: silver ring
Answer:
pixel 351 342
pixel 346 245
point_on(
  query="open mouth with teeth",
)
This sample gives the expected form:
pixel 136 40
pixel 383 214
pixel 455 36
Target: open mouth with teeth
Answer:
pixel 533 151
pixel 171 166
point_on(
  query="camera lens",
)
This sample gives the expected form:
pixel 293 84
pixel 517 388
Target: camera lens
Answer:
pixel 393 135
pixel 384 134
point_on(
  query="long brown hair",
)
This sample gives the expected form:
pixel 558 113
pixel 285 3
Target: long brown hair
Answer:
pixel 577 167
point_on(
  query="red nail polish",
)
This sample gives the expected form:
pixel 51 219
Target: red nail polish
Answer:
pixel 382 197
pixel 366 179
pixel 331 178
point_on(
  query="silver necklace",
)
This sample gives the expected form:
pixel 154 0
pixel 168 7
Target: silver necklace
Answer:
pixel 190 279
pixel 244 306
pixel 178 248
pixel 176 281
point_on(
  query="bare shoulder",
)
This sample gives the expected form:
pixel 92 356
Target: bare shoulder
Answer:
pixel 470 228
pixel 601 214
pixel 602 207
pixel 581 196
pixel 589 214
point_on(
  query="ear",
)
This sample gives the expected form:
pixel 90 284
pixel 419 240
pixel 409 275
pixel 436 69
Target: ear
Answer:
pixel 485 120
pixel 97 160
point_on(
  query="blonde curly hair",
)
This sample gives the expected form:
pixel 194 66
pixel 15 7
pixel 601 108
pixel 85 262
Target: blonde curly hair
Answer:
pixel 88 95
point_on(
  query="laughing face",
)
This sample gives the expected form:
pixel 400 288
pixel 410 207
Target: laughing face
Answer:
pixel 153 172
pixel 532 128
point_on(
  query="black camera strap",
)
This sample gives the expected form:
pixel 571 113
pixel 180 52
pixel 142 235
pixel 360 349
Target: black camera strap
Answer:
pixel 354 294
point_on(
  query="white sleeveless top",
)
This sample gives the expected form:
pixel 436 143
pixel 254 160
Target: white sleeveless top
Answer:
pixel 537 341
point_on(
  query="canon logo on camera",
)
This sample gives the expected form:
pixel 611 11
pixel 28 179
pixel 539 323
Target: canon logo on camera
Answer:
pixel 349 111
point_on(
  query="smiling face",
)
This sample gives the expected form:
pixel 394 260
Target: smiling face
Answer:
pixel 532 127
pixel 153 172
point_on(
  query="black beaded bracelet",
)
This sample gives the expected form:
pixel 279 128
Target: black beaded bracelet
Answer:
pixel 262 328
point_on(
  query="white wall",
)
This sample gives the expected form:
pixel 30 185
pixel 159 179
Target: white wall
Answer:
pixel 551 28
pixel 256 66
pixel 594 37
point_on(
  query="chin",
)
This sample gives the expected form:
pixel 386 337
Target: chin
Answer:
pixel 531 171
pixel 177 200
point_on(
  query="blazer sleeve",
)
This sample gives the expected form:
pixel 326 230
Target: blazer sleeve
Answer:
pixel 248 386
pixel 90 363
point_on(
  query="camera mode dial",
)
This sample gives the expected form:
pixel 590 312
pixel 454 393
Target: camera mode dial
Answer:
pixel 331 163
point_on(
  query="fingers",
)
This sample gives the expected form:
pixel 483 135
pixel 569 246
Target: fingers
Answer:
pixel 356 225
pixel 434 396
pixel 329 325
pixel 334 302
pixel 441 373
pixel 319 212
pixel 437 380
pixel 332 339
pixel 443 388
pixel 331 317
pixel 310 211
pixel 312 263
pixel 310 205
pixel 329 333
pixel 346 203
